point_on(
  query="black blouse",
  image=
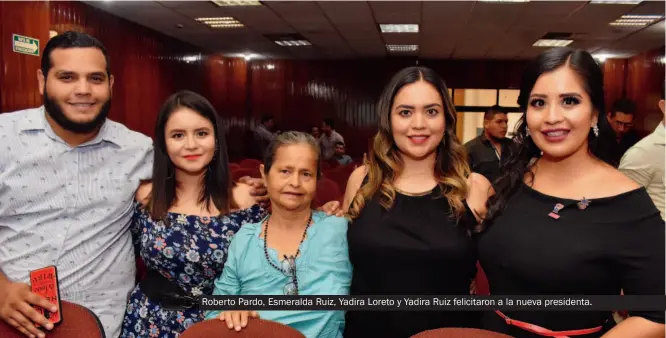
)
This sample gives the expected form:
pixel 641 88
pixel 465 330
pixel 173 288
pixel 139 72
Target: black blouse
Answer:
pixel 415 248
pixel 616 243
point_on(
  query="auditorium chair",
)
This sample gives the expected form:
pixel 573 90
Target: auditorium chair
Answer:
pixel 327 190
pixel 459 332
pixel 77 322
pixel 252 172
pixel 234 166
pixel 340 175
pixel 216 328
pixel 249 163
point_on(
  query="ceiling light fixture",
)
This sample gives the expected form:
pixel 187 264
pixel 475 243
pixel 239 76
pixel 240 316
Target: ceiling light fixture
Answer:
pixel 616 2
pixel 225 3
pixel 601 57
pixel 293 43
pixel 505 1
pixel 221 22
pixel 402 48
pixel 551 43
pixel 399 28
pixel 635 20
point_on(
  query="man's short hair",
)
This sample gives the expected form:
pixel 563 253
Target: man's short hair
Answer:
pixel 494 110
pixel 330 123
pixel 266 118
pixel 71 40
pixel 339 144
pixel 623 105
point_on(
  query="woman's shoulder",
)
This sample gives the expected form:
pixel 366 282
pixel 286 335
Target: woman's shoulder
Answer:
pixel 330 224
pixel 247 231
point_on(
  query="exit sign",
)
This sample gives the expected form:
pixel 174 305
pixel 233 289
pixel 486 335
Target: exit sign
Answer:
pixel 25 45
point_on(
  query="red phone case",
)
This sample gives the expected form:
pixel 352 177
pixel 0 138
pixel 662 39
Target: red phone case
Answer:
pixel 44 282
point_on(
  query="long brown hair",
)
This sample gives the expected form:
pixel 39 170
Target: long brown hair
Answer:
pixel 384 163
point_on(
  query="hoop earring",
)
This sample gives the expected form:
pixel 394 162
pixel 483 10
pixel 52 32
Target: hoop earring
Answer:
pixel 595 130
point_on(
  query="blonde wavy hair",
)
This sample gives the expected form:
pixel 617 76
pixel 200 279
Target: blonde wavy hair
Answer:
pixel 384 163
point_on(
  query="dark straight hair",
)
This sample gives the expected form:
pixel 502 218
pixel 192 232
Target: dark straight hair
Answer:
pixel 523 149
pixel 68 40
pixel 218 185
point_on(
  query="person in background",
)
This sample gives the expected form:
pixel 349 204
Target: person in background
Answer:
pixel 409 235
pixel 315 132
pixel 295 250
pixel 644 163
pixel 263 135
pixel 489 150
pixel 67 178
pixel 340 155
pixel 184 218
pixel 568 223
pixel 329 138
pixel 621 118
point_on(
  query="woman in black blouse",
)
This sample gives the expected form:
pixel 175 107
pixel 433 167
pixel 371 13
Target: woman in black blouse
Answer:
pixel 406 202
pixel 560 220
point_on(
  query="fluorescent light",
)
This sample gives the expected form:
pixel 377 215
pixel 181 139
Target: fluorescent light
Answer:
pixel 551 43
pixel 402 48
pixel 601 57
pixel 635 20
pixel 221 22
pixel 616 2
pixel 270 66
pixel 223 3
pixel 249 56
pixel 191 58
pixel 293 43
pixel 399 28
pixel 642 17
pixel 507 1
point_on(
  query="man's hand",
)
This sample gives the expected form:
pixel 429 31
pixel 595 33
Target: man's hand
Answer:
pixel 16 302
pixel 258 190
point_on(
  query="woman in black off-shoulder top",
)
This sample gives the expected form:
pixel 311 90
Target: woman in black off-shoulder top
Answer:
pixel 560 221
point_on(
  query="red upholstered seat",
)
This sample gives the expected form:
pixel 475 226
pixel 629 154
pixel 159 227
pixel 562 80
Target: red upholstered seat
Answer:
pixel 216 328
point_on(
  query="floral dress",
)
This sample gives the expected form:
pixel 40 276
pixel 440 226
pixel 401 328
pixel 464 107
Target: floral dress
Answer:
pixel 191 250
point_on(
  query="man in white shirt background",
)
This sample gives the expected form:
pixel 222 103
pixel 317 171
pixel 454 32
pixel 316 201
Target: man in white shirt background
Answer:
pixel 329 137
pixel 644 162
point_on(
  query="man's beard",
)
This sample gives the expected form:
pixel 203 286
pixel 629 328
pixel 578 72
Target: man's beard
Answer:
pixel 55 111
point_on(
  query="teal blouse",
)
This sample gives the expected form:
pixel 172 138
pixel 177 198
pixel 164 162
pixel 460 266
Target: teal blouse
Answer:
pixel 323 268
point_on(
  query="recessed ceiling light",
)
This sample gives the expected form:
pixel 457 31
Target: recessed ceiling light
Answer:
pixel 293 43
pixel 399 28
pixel 402 48
pixel 551 43
pixel 223 3
pixel 616 2
pixel 221 22
pixel 635 20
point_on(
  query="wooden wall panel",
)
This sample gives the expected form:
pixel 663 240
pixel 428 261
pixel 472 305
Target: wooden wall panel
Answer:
pixel 645 81
pixel 18 81
pixel 615 72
